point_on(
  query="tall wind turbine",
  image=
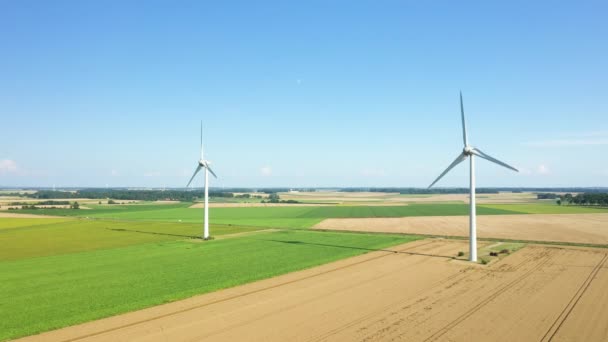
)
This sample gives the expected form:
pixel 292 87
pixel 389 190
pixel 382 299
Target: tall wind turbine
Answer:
pixel 471 152
pixel 204 164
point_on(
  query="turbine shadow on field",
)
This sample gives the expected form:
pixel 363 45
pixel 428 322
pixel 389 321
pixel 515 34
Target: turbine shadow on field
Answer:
pixel 153 233
pixel 292 242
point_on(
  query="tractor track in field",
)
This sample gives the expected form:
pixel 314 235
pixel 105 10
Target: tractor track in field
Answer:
pixel 491 297
pixel 453 280
pixel 194 307
pixel 411 292
pixel 453 277
pixel 552 331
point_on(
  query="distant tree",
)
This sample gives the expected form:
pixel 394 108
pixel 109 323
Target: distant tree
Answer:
pixel 273 198
pixel 75 205
pixel 559 202
pixel 111 202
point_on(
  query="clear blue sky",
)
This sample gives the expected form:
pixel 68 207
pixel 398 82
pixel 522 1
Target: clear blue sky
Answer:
pixel 308 93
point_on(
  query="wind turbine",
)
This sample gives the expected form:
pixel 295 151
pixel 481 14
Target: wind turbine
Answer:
pixel 204 164
pixel 470 151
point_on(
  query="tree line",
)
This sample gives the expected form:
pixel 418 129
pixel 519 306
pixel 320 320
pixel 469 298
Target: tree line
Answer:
pixel 591 199
pixel 139 195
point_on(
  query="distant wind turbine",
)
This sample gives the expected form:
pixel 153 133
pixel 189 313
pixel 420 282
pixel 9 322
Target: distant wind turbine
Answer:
pixel 204 164
pixel 470 151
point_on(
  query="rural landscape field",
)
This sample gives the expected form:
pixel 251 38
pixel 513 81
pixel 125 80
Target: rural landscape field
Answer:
pixel 285 171
pixel 140 269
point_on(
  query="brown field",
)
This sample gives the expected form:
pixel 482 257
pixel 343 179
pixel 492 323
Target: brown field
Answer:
pixel 415 292
pixel 577 228
pixel 253 204
pixel 389 198
pixel 15 215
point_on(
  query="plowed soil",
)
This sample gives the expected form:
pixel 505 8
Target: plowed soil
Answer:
pixel 578 228
pixel 413 292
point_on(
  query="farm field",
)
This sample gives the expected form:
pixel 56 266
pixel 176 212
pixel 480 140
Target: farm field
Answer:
pixel 387 198
pixel 537 294
pixel 78 266
pixel 571 228
pixel 26 238
pixel 114 271
pixel 300 216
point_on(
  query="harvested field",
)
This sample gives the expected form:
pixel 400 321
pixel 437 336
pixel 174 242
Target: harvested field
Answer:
pixel 577 228
pixel 252 204
pixel 415 293
pixel 15 215
pixel 387 198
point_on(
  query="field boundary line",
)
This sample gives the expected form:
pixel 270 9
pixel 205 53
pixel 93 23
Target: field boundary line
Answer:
pixel 486 300
pixel 563 316
pixel 458 237
pixel 460 274
pixel 315 299
pixel 194 307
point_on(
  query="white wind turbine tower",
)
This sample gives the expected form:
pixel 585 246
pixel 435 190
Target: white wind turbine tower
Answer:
pixel 204 164
pixel 470 151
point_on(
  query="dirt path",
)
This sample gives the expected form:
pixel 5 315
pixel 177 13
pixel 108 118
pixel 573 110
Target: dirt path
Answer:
pixel 15 215
pixel 579 228
pixel 230 236
pixel 242 205
pixel 417 293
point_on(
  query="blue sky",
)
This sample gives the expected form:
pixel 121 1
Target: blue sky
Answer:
pixel 309 93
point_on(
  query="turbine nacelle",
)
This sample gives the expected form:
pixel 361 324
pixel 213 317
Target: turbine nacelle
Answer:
pixel 468 150
pixel 202 163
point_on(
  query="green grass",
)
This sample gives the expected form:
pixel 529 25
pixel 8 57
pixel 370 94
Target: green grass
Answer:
pixel 15 223
pixel 400 211
pixel 546 208
pixel 50 292
pixel 34 237
pixel 281 217
pixel 107 210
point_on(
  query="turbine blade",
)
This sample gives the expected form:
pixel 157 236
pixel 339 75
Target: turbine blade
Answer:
pixel 202 140
pixel 485 156
pixel 456 161
pixel 464 126
pixel 198 168
pixel 213 173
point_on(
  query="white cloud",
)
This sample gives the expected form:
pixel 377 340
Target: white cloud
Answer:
pixel 266 171
pixel 152 174
pixel 114 172
pixel 8 166
pixel 542 169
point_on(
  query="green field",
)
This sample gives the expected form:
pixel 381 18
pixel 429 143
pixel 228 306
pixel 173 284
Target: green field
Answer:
pixel 299 216
pixel 111 259
pixel 44 293
pixel 281 217
pixel 548 208
pixel 26 238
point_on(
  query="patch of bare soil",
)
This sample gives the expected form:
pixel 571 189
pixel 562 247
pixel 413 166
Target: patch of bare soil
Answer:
pixel 413 292
pixel 15 215
pixel 240 205
pixel 579 228
pixel 387 198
